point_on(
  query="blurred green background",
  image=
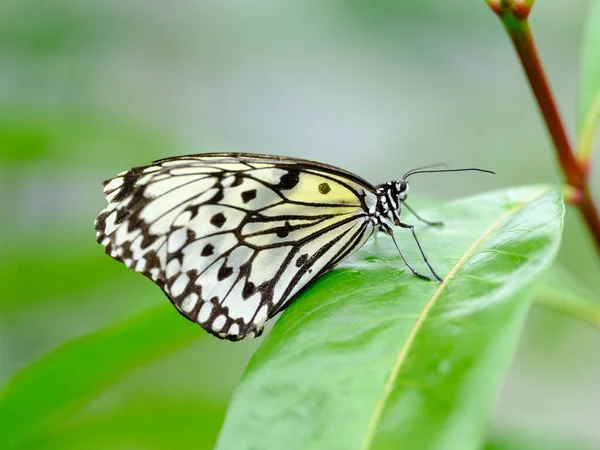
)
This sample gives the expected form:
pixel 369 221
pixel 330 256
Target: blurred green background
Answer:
pixel 88 89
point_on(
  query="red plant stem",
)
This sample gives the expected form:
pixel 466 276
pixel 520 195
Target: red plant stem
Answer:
pixel 575 172
pixel 525 47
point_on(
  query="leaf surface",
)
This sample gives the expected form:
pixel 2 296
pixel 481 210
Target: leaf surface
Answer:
pixel 370 356
pixel 65 379
pixel 152 422
pixel 562 292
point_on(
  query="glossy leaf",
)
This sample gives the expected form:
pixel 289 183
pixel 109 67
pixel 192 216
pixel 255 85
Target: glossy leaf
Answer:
pixel 60 269
pixel 38 395
pixel 370 356
pixel 561 292
pixel 534 441
pixel 149 422
pixel 589 91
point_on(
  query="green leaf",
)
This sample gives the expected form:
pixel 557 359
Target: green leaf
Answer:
pixel 66 378
pixel 564 294
pixel 60 269
pixel 589 91
pixel 149 422
pixel 371 356
pixel 530 441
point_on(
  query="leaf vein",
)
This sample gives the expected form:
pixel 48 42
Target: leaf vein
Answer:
pixel 389 384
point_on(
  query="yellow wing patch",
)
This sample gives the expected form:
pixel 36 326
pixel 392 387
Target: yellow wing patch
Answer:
pixel 314 188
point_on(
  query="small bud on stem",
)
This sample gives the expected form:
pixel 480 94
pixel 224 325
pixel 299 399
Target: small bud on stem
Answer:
pixel 520 9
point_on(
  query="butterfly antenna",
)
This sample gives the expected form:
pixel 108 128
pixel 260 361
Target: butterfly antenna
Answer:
pixel 428 166
pixel 472 169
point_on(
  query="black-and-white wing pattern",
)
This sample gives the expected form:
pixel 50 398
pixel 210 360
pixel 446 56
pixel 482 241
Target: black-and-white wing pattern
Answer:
pixel 232 238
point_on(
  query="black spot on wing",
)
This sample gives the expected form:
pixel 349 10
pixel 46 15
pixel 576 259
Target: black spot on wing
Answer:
pixel 302 260
pixel 152 260
pixel 248 195
pixel 324 188
pixel 207 250
pixel 249 290
pixel 289 180
pixel 239 179
pixel 224 272
pixel 122 214
pixel 136 205
pixel 191 235
pixel 148 240
pixel 193 209
pixel 129 182
pixel 218 220
pixel 284 231
pixel 245 269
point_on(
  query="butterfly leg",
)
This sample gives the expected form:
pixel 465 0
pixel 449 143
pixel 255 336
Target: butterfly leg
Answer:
pixel 435 223
pixel 415 273
pixel 412 230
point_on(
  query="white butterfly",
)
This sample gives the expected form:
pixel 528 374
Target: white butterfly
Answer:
pixel 231 238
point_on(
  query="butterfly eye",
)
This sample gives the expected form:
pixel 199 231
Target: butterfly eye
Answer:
pixel 402 188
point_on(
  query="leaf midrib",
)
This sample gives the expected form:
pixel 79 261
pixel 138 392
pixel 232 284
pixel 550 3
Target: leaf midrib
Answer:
pixel 389 384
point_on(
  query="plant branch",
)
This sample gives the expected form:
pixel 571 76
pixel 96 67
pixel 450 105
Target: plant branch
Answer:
pixel 513 14
pixel 569 303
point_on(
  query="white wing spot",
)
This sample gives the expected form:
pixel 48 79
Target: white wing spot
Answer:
pixel 109 223
pixel 183 219
pixel 219 323
pixel 177 239
pixel 271 175
pixel 173 267
pixel 261 315
pixel 228 181
pixel 180 284
pixel 234 329
pixel 141 265
pixel 113 184
pixel 154 273
pixel 205 311
pixel 239 308
pixel 189 302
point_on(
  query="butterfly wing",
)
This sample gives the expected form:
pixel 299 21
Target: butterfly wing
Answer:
pixel 232 238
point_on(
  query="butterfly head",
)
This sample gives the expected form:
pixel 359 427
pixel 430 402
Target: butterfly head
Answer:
pixel 396 191
pixel 391 195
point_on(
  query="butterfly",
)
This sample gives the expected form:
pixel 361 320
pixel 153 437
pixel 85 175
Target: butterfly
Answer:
pixel 232 238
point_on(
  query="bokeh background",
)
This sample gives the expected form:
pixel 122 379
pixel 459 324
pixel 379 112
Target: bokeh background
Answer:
pixel 88 89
